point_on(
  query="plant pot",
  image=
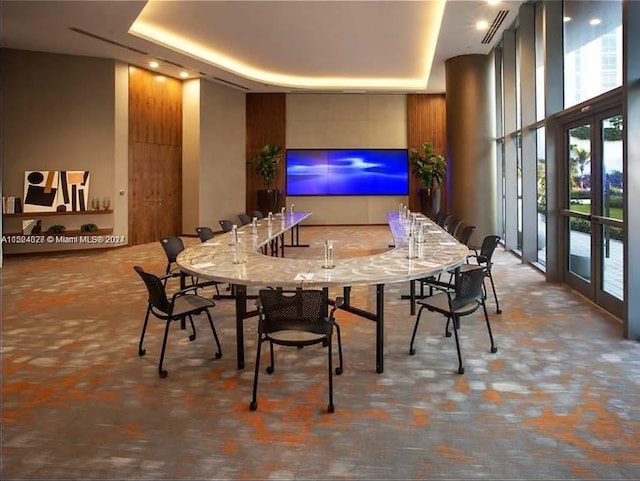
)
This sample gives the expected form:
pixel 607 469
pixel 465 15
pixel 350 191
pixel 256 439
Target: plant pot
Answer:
pixel 429 201
pixel 269 201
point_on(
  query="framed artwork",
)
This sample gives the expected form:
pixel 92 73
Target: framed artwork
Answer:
pixel 56 191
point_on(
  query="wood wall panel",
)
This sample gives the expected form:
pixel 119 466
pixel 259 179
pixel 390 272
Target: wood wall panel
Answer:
pixel 155 108
pixel 265 124
pixel 426 121
pixel 155 157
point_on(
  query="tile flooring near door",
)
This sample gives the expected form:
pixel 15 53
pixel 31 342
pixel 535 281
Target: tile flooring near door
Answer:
pixel 560 399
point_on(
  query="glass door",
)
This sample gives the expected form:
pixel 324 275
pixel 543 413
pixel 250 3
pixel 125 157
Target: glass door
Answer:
pixel 593 213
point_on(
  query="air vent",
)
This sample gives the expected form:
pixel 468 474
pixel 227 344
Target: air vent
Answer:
pixel 218 79
pixel 495 25
pixel 172 63
pixel 112 42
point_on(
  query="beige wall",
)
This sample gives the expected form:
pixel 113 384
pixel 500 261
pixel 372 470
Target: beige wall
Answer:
pixel 222 154
pixel 58 113
pixel 347 121
pixel 190 155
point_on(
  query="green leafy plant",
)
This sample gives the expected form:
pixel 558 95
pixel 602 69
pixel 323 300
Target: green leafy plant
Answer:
pixel 428 167
pixel 266 163
pixel 56 229
pixel 88 228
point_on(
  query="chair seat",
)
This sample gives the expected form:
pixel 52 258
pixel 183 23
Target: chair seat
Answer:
pixel 295 336
pixel 440 303
pixel 191 302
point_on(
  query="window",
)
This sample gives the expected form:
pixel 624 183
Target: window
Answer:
pixel 592 48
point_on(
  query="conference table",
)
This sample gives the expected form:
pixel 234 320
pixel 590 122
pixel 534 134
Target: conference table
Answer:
pixel 246 265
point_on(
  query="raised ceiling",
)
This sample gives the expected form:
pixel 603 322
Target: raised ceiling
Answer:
pixel 269 46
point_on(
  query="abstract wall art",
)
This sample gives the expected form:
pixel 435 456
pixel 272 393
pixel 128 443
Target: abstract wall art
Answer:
pixel 56 191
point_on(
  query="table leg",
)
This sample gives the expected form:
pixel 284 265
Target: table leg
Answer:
pixel 379 328
pixel 241 312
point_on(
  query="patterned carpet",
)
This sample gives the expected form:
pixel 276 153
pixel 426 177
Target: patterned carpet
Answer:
pixel 560 399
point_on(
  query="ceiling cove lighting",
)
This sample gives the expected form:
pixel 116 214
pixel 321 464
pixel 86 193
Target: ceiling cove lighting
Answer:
pixel 201 52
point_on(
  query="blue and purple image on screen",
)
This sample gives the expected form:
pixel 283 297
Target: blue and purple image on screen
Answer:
pixel 347 172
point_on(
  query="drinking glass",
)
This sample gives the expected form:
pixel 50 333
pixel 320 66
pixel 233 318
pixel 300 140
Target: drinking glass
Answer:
pixel 328 255
pixel 106 203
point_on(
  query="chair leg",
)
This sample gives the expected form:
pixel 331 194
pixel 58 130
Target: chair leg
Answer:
pixel 272 366
pixel 254 401
pixel 447 332
pixel 215 334
pixel 456 326
pixel 412 351
pixel 494 349
pixel 141 351
pixel 192 337
pixel 339 368
pixel 495 296
pixel 330 407
pixel 161 371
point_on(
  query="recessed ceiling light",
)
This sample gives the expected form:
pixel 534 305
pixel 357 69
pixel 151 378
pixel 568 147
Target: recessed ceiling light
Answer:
pixel 493 2
pixel 595 21
pixel 482 25
pixel 566 19
pixel 154 64
pixel 184 74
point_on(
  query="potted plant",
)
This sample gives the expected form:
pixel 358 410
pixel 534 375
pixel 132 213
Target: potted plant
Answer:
pixel 430 169
pixel 266 165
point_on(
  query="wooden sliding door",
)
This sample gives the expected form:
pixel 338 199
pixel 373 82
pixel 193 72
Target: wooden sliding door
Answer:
pixel 155 156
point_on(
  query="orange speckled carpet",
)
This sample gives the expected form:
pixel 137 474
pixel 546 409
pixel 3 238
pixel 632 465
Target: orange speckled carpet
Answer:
pixel 560 399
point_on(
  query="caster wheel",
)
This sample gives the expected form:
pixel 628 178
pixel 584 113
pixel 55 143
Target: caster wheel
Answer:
pixel 494 350
pixel 218 355
pixel 338 370
pixel 269 370
pixel 330 408
pixel 163 374
pixel 461 370
pixel 253 406
pixel 412 352
pixel 192 337
pixel 141 352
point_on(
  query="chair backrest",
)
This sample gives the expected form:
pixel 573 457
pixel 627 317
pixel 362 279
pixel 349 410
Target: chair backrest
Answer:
pixel 244 219
pixel 444 218
pixel 227 225
pixel 172 246
pixel 464 235
pixel 257 214
pixel 301 310
pixel 489 244
pixel 468 287
pixel 204 233
pixel 157 295
pixel 453 225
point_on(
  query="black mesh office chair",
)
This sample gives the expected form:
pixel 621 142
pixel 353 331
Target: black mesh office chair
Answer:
pixel 257 214
pixel 226 225
pixel 466 297
pixel 484 259
pixel 444 219
pixel 183 303
pixel 453 225
pixel 244 219
pixel 463 235
pixel 204 233
pixel 296 318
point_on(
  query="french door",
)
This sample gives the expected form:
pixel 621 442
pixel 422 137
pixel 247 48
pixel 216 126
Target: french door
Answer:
pixel 592 216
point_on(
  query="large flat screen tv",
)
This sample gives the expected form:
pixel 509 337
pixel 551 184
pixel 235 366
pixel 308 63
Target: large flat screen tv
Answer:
pixel 347 172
